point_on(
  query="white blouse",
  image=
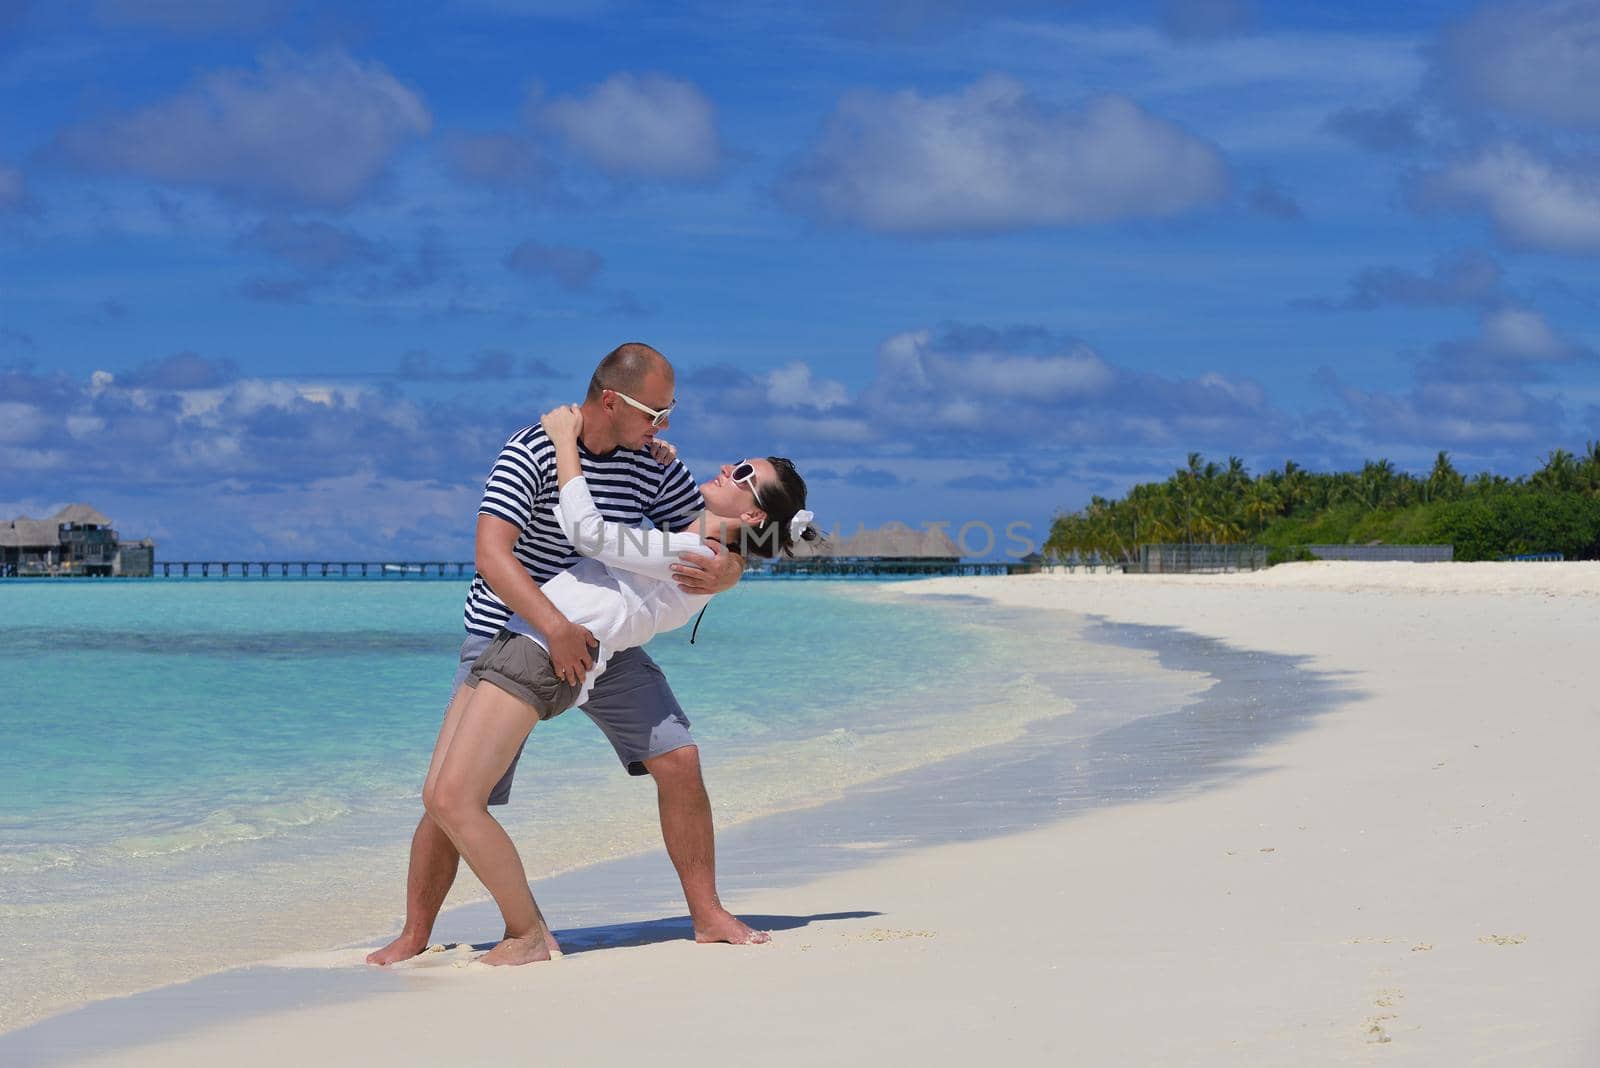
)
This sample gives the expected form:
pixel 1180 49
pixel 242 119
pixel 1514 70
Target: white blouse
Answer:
pixel 624 591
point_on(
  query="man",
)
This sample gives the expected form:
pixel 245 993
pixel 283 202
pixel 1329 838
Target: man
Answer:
pixel 519 546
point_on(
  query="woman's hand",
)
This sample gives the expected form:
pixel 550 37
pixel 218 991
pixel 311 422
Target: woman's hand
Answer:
pixel 564 423
pixel 664 451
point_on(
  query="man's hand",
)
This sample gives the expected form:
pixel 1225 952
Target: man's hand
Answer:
pixel 569 652
pixel 664 451
pixel 708 574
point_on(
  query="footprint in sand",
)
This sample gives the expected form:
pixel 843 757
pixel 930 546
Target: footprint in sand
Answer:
pixel 1376 1026
pixel 886 934
pixel 1502 940
pixel 435 957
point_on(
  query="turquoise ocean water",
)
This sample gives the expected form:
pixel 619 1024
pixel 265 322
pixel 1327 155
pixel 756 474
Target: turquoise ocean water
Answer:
pixel 198 773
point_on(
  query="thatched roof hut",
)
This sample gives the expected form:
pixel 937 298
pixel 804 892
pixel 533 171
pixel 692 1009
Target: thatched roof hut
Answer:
pixel 23 532
pixel 893 541
pixel 81 515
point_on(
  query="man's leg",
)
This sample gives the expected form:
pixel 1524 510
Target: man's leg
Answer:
pixel 691 843
pixel 434 862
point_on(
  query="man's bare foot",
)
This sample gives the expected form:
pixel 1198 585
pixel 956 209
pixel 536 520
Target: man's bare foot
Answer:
pixel 527 950
pixel 726 927
pixel 403 948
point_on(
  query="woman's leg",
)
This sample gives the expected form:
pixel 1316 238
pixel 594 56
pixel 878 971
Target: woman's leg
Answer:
pixel 486 737
pixel 447 731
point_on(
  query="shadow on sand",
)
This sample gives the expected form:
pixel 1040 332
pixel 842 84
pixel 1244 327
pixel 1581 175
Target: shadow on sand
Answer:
pixel 673 929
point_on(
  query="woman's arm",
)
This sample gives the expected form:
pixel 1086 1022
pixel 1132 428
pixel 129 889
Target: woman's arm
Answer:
pixel 562 426
pixel 637 549
pixel 620 547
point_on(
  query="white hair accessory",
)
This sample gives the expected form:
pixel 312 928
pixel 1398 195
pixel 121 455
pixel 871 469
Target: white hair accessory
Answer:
pixel 797 525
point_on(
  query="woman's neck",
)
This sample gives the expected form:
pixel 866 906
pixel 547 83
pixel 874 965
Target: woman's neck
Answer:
pixel 708 524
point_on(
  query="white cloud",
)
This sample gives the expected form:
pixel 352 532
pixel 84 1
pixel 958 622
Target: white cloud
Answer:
pixel 941 388
pixel 809 430
pixel 1077 372
pixel 1328 65
pixel 991 157
pixel 1436 413
pixel 315 131
pixel 646 125
pixel 1534 203
pixel 84 426
pixel 1538 60
pixel 1484 390
pixel 961 371
pixel 1523 334
pixel 21 422
pixel 792 386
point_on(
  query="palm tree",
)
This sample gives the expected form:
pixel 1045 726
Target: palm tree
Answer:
pixel 1591 468
pixel 1444 481
pixel 1376 487
pixel 1560 473
pixel 1486 482
pixel 1261 504
pixel 1296 486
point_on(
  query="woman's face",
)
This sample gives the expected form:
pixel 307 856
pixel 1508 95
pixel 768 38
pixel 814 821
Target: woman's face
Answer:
pixel 730 499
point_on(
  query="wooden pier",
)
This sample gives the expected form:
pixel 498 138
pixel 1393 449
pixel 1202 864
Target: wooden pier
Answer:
pixel 312 568
pixel 819 566
pixel 816 567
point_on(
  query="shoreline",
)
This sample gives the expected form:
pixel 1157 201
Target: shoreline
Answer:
pixel 634 900
pixel 1408 880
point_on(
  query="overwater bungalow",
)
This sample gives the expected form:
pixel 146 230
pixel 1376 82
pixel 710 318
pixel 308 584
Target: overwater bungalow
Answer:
pixel 891 549
pixel 77 540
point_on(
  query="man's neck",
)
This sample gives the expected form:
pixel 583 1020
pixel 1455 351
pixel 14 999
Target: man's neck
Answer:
pixel 596 435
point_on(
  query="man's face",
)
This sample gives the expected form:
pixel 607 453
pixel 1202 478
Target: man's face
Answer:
pixel 633 426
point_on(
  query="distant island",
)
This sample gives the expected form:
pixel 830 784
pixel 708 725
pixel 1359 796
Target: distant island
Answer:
pixel 1554 510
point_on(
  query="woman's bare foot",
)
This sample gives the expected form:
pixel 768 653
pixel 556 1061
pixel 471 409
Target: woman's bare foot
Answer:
pixel 726 927
pixel 529 949
pixel 403 948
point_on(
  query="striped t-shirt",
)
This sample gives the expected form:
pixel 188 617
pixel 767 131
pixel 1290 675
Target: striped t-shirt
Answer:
pixel 627 486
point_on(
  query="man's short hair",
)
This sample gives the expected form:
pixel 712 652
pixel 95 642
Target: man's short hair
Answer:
pixel 625 368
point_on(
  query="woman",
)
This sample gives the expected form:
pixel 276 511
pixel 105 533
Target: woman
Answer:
pixel 624 593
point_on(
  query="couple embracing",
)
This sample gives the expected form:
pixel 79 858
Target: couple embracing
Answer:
pixel 568 589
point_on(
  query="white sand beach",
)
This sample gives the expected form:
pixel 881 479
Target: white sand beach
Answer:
pixel 1410 880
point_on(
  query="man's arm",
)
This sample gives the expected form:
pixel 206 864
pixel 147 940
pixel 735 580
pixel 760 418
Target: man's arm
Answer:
pixel 697 573
pixel 510 581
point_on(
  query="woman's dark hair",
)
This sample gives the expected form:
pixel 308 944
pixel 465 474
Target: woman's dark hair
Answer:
pixel 780 500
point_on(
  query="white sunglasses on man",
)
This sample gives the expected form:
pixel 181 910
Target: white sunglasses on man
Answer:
pixel 658 419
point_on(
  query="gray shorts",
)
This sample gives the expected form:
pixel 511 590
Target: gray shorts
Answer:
pixel 631 703
pixel 521 667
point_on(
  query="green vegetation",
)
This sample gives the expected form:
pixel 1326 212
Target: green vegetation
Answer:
pixel 1554 510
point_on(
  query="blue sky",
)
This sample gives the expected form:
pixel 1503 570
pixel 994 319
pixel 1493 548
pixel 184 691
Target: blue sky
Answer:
pixel 279 277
